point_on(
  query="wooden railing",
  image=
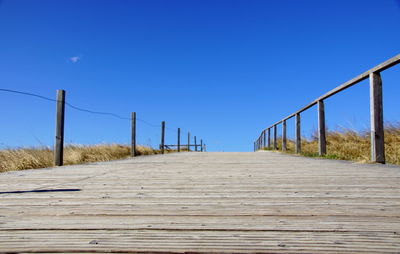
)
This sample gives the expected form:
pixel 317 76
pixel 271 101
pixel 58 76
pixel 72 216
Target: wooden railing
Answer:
pixel 376 112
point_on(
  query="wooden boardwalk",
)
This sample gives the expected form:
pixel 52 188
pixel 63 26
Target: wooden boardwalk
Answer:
pixel 260 202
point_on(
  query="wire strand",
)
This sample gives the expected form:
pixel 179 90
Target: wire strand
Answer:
pixel 25 93
pixel 85 110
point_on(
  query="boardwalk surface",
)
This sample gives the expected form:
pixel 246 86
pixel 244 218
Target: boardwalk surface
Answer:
pixel 203 202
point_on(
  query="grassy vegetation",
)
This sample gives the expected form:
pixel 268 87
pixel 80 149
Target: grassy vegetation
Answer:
pixel 28 158
pixel 348 144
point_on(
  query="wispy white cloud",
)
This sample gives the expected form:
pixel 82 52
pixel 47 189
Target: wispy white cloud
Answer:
pixel 74 59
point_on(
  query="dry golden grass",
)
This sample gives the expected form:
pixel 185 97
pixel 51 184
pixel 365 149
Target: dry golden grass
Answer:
pixel 348 144
pixel 29 158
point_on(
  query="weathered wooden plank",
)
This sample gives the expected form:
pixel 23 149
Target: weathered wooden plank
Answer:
pixel 201 242
pixel 203 202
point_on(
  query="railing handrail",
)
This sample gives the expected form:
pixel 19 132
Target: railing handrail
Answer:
pixel 381 67
pixel 376 92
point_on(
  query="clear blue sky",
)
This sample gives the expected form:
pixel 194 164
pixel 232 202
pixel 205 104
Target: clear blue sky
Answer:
pixel 222 69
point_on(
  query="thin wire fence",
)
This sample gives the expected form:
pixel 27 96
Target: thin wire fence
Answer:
pixel 94 112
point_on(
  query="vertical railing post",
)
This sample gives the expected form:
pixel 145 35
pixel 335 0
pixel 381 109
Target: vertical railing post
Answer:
pixel 297 134
pixel 265 139
pixel 275 144
pixel 284 136
pixel 269 138
pixel 133 135
pixel 201 145
pixel 60 116
pixel 195 144
pixel 179 140
pixel 162 136
pixel 321 129
pixel 377 128
pixel 188 146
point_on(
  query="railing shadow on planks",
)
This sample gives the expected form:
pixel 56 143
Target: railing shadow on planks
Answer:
pixel 376 115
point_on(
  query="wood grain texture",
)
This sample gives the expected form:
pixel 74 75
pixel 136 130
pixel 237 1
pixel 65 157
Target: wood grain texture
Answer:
pixel 321 129
pixel 376 112
pixel 59 138
pixel 262 202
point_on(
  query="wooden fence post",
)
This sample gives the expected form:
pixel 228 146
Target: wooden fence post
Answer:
pixel 195 144
pixel 269 138
pixel 262 140
pixel 201 145
pixel 284 136
pixel 133 135
pixel 162 136
pixel 60 116
pixel 179 140
pixel 321 129
pixel 188 146
pixel 377 128
pixel 275 144
pixel 298 134
pixel 265 138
